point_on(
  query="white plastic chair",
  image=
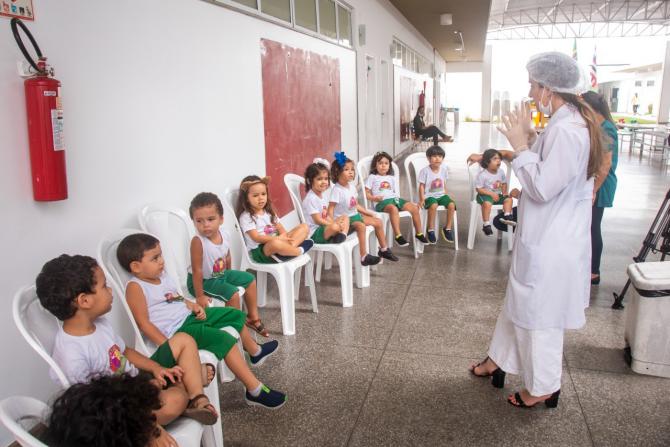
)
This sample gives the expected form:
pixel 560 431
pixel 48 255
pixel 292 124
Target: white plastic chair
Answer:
pixel 363 168
pixel 17 409
pixel 39 327
pixel 285 273
pixel 117 277
pixel 343 252
pixel 475 209
pixel 414 163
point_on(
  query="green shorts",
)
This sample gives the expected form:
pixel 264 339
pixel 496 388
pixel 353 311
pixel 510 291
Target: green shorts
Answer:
pixel 224 286
pixel 318 236
pixel 444 200
pixel 163 355
pixel 398 202
pixel 481 198
pixel 355 218
pixel 258 255
pixel 208 334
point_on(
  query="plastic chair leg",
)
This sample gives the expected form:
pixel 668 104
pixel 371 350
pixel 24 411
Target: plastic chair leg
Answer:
pixel 262 288
pixel 472 231
pixel 287 292
pixel 346 278
pixel 362 273
pixel 328 262
pixel 455 230
pixel 510 237
pixel 319 263
pixel 296 276
pixel 212 435
pixel 309 280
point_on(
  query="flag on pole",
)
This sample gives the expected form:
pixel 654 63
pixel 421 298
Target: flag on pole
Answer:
pixel 594 71
pixel 574 49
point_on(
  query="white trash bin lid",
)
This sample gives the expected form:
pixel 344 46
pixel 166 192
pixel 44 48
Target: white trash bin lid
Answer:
pixel 650 276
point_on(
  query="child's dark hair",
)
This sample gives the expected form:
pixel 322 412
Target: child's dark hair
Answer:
pixel 243 200
pixel 487 156
pixel 312 172
pixel 205 199
pixel 435 150
pixel 109 411
pixel 62 280
pixel 378 156
pixel 132 248
pixel 336 169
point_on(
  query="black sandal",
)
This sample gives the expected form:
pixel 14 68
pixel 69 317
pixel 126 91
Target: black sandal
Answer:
pixel 550 402
pixel 206 414
pixel 497 376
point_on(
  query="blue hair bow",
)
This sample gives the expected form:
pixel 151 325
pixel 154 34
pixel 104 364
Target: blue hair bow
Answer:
pixel 340 158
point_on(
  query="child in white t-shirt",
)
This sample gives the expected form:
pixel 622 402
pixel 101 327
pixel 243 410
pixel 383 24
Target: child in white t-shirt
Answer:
pixel 433 193
pixel 491 185
pixel 322 228
pixel 381 189
pixel 266 238
pixel 74 290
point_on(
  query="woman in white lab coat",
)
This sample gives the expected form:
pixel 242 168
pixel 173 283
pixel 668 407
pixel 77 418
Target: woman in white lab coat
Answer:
pixel 549 280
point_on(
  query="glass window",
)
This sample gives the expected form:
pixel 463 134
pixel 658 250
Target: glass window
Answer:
pixel 650 83
pixel 344 22
pixel 249 3
pixel 327 23
pixel 305 13
pixel 277 8
pixel 638 83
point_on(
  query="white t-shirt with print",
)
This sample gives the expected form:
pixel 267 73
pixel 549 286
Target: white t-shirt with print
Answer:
pixel 345 199
pixel 433 182
pixel 382 185
pixel 262 223
pixel 213 255
pixel 98 354
pixel 313 204
pixel 491 181
pixel 166 306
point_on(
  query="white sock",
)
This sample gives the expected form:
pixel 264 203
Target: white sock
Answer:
pixel 258 352
pixel 488 222
pixel 363 258
pixel 383 249
pixel 256 391
pixel 302 250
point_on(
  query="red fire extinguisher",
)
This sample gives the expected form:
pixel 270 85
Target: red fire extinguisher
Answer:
pixel 45 124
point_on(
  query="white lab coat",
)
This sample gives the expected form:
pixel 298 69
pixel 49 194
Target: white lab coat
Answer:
pixel 549 280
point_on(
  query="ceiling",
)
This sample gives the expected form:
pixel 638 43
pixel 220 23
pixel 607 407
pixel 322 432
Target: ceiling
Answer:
pixel 470 17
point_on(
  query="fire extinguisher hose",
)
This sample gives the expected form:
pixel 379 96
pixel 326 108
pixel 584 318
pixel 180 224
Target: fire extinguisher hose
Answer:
pixel 15 23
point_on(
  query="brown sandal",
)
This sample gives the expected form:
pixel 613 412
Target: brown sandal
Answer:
pixel 257 326
pixel 205 414
pixel 205 368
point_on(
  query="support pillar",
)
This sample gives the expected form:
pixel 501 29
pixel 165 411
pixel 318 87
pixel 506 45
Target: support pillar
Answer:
pixel 664 101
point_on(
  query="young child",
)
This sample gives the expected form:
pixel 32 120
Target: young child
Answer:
pixel 129 403
pixel 266 238
pixel 380 187
pixel 322 228
pixel 433 193
pixel 160 311
pixel 210 275
pixel 491 186
pixel 343 202
pixel 74 290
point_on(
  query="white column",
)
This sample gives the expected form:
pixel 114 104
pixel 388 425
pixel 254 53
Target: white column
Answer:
pixel 664 101
pixel 486 84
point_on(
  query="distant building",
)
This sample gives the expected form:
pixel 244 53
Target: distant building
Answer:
pixel 620 86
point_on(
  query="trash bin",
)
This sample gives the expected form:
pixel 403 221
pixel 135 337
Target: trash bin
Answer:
pixel 647 330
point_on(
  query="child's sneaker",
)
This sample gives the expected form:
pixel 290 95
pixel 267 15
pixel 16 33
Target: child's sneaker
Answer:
pixel 487 229
pixel 338 238
pixel 267 349
pixel 370 260
pixel 508 219
pixel 431 237
pixel 387 254
pixel 401 241
pixel 267 398
pixel 306 245
pixel 281 258
pixel 421 237
pixel 448 235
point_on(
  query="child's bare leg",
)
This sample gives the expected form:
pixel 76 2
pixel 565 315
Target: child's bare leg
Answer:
pixel 280 246
pixel 234 301
pixel 239 367
pixel 416 219
pixel 379 230
pixel 298 234
pixel 248 343
pixel 450 215
pixel 174 400
pixel 331 230
pixel 394 217
pixel 343 222
pixel 185 351
pixel 507 206
pixel 360 233
pixel 431 217
pixel 486 211
pixel 250 299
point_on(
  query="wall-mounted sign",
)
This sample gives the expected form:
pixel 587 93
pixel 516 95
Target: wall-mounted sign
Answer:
pixel 23 9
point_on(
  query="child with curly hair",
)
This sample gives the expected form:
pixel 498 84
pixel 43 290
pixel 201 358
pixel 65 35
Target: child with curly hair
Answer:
pixel 491 185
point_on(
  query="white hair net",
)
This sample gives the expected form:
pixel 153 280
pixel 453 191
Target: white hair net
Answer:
pixel 558 72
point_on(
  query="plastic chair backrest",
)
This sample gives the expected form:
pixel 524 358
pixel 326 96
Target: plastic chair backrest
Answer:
pixel 38 326
pixel 16 410
pixel 414 163
pixel 117 276
pixel 293 182
pixel 174 228
pixel 229 201
pixel 363 167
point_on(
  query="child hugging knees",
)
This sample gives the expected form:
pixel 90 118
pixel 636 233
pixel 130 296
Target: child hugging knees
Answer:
pixel 381 187
pixel 74 290
pixel 160 311
pixel 210 275
pixel 323 228
pixel 491 186
pixel 433 193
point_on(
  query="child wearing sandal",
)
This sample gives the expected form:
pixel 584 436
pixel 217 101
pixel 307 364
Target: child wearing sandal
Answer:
pixel 491 185
pixel 160 311
pixel 266 238
pixel 74 290
pixel 433 193
pixel 343 202
pixel 381 187
pixel 322 228
pixel 209 275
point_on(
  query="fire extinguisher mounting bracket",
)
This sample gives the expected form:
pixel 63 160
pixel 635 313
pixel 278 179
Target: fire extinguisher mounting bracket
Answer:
pixel 15 24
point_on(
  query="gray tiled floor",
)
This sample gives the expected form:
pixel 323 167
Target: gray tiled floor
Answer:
pixel 392 370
